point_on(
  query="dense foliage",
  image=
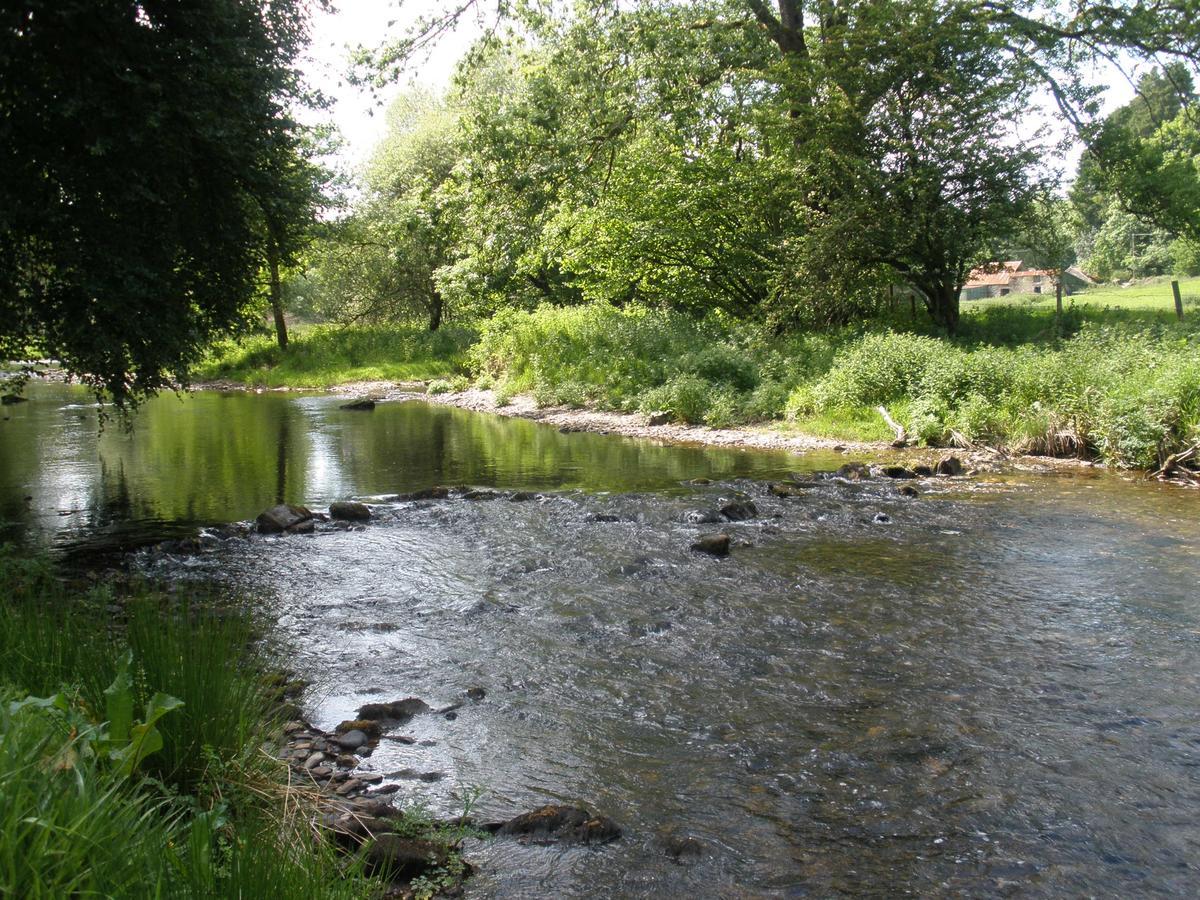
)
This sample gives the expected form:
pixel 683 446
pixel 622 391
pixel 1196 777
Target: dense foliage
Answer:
pixel 149 167
pixel 1121 387
pixel 791 163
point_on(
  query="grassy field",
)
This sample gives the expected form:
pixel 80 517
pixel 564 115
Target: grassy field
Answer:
pixel 1153 295
pixel 325 355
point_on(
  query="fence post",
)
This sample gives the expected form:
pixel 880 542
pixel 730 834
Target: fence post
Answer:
pixel 1178 300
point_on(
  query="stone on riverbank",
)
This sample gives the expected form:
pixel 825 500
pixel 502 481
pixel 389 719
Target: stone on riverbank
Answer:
pixel 403 859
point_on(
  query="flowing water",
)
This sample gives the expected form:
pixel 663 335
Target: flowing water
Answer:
pixel 991 689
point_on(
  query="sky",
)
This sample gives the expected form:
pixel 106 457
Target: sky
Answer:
pixel 359 118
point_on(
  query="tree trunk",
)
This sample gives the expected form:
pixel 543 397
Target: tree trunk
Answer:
pixel 435 314
pixel 277 296
pixel 941 299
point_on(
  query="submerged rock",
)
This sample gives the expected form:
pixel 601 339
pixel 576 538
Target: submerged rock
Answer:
pixel 433 493
pixel 481 495
pixel 11 399
pixel 907 490
pixel 398 710
pixel 683 849
pixel 283 517
pixel 702 517
pixel 739 510
pixel 364 405
pixel 898 472
pixel 712 544
pixel 783 489
pixel 349 509
pixel 854 471
pixel 950 465
pixel 561 824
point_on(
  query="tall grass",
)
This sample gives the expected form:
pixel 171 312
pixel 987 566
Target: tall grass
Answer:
pixel 1121 385
pixel 325 355
pixel 202 816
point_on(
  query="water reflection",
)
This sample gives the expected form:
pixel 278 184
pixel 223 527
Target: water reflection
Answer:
pixel 213 457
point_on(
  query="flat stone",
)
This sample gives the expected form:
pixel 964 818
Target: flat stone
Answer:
pixel 321 772
pixel 349 787
pixel 565 824
pixel 369 777
pixel 363 405
pixel 315 760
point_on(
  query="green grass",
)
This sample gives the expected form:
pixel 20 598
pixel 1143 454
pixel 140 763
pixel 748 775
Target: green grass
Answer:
pixel 1152 295
pixel 1119 384
pixel 204 816
pixel 326 355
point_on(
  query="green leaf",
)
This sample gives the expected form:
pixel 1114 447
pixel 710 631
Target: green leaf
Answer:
pixel 119 701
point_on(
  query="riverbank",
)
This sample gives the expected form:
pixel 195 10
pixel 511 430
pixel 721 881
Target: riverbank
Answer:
pixel 1116 385
pixel 139 736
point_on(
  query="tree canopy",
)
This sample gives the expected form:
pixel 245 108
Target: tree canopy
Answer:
pixel 785 161
pixel 147 162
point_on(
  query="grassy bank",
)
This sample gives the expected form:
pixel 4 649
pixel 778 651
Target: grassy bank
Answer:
pixel 325 355
pixel 1122 385
pixel 130 761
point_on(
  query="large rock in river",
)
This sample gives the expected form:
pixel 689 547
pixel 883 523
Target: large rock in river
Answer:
pixel 349 509
pixel 283 517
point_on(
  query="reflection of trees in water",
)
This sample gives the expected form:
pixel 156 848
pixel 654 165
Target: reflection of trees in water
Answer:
pixel 219 457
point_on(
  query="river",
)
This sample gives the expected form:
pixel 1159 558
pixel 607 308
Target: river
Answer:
pixel 992 688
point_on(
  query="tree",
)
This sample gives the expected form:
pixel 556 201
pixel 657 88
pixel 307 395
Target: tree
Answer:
pixel 900 159
pixel 382 262
pixel 142 146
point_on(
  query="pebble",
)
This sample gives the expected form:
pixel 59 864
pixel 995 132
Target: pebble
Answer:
pixel 315 760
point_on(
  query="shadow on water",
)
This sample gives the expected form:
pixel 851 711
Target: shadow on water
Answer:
pixel 990 689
